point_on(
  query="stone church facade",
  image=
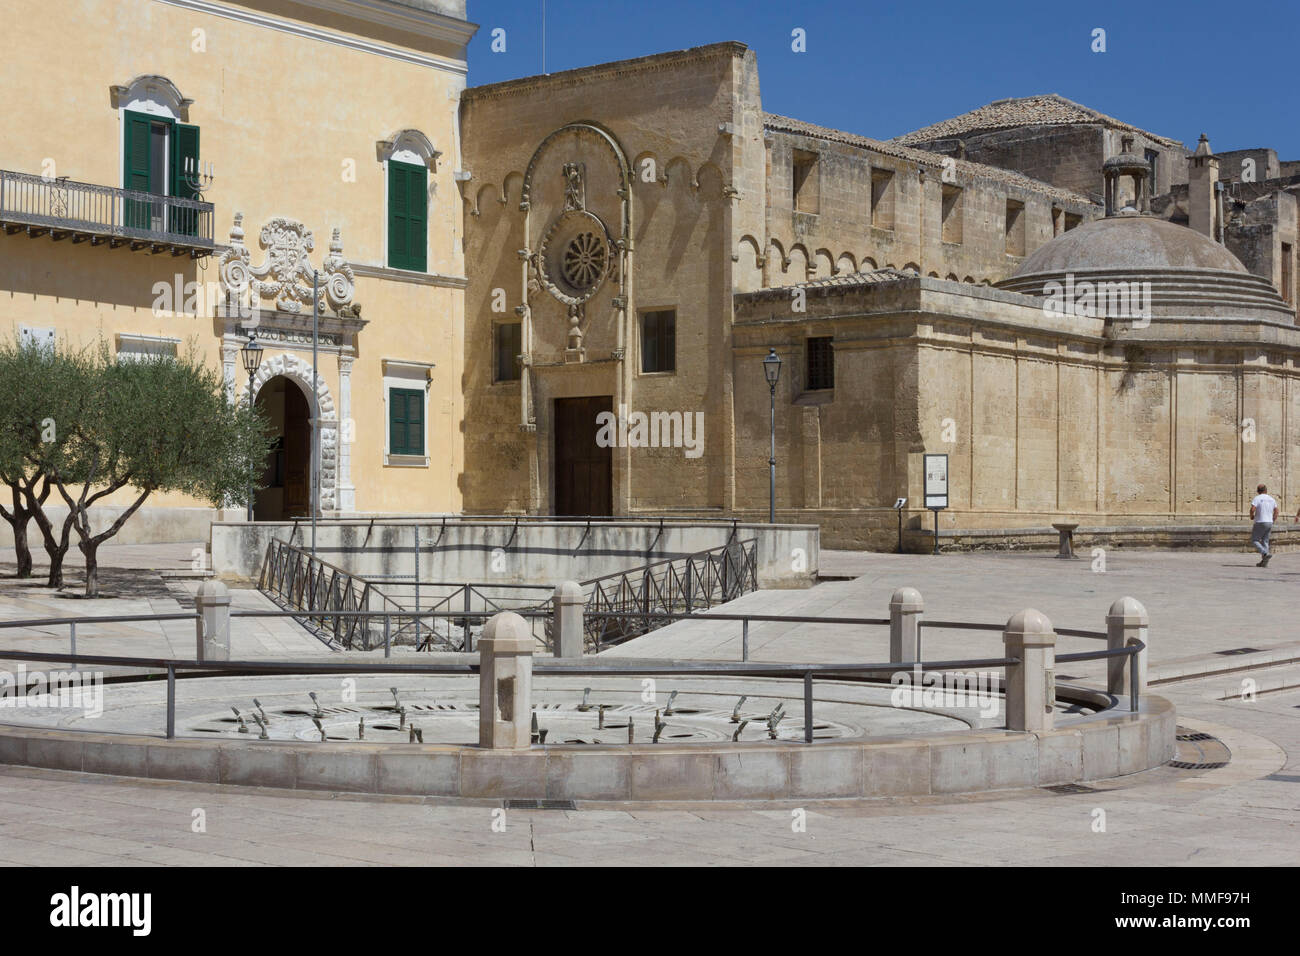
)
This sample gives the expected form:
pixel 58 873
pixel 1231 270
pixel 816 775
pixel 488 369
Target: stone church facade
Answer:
pixel 642 234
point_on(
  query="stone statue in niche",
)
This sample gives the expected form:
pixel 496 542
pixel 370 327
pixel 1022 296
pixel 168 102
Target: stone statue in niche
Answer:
pixel 575 197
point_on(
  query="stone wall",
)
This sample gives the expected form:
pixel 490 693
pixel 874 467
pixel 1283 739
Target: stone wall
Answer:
pixel 1066 155
pixel 843 236
pixel 484 551
pixel 1043 418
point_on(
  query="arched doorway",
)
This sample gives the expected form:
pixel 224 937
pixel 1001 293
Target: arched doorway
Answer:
pixel 287 476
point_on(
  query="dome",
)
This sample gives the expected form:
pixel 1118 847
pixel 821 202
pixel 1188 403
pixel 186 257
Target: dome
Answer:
pixel 1174 271
pixel 1131 243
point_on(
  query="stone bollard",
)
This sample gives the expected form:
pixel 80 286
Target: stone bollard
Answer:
pixel 905 609
pixel 212 626
pixel 1126 619
pixel 566 621
pixel 505 683
pixel 1031 684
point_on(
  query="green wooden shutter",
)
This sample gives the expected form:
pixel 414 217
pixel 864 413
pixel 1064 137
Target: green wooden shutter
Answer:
pixel 406 421
pixel 397 224
pixel 185 149
pixel 135 171
pixel 396 422
pixel 418 217
pixel 415 422
pixel 407 216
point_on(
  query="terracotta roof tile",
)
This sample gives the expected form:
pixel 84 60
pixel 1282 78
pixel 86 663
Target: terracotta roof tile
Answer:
pixel 1048 109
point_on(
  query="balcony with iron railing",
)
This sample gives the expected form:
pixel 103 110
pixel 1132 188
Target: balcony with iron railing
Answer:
pixel 84 212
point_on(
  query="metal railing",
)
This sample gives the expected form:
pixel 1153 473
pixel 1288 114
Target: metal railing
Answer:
pixel 471 602
pixel 298 581
pixel 652 593
pixel 544 666
pixel 626 604
pixel 105 212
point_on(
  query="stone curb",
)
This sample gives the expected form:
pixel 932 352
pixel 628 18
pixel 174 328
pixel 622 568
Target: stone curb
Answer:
pixel 1207 665
pixel 1093 748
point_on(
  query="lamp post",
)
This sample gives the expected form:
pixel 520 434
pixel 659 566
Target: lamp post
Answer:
pixel 772 370
pixel 315 405
pixel 252 356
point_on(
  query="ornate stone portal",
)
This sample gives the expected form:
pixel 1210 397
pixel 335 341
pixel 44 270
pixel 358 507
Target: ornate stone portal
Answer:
pixel 299 372
pixel 285 278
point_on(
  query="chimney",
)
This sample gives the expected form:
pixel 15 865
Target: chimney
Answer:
pixel 1202 186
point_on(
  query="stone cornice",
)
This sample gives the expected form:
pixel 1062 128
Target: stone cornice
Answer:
pixel 620 68
pixel 306 30
pixel 399 16
pixel 276 320
pixel 402 275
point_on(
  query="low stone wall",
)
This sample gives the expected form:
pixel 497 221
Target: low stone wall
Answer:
pixel 1217 537
pixel 498 551
pixel 146 526
pixel 1091 748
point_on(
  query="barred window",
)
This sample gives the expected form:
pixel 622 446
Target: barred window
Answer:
pixel 507 346
pixel 659 341
pixel 821 363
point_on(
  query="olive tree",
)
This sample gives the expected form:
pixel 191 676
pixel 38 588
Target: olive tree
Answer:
pixel 130 430
pixel 40 387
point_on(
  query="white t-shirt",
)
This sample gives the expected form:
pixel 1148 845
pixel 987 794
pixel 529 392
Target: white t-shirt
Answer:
pixel 1265 508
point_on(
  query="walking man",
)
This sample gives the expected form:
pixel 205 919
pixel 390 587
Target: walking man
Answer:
pixel 1262 511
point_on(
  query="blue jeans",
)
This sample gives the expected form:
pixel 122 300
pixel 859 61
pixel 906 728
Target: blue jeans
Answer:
pixel 1259 536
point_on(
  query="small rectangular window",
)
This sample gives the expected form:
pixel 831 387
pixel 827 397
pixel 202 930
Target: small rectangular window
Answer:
pixel 405 421
pixel 952 214
pixel 1153 160
pixel 1015 224
pixel 882 198
pixel 821 363
pixel 1071 220
pixel 805 181
pixel 507 348
pixel 659 341
pixel 1288 262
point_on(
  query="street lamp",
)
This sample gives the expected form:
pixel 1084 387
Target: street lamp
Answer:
pixel 772 369
pixel 252 356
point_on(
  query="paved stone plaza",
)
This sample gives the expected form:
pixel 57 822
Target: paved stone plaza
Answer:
pixel 1244 813
pixel 1200 604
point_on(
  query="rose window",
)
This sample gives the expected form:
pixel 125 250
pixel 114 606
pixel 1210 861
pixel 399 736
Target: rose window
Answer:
pixel 584 261
pixel 575 257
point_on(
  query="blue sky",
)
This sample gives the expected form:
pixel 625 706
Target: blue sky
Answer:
pixel 1175 68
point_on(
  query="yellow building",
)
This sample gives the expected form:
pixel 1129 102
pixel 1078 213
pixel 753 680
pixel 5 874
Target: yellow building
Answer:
pixel 183 169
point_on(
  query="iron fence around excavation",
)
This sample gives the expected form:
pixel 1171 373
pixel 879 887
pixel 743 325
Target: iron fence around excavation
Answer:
pixel 620 605
pixel 627 604
pixel 299 581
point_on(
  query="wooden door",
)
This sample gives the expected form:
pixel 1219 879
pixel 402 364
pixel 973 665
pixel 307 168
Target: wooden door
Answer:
pixel 584 475
pixel 297 453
